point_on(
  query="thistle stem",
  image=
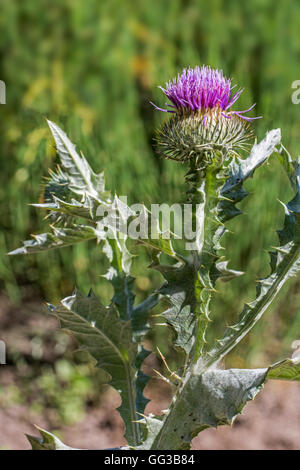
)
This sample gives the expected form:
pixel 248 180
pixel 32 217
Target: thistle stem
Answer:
pixel 203 193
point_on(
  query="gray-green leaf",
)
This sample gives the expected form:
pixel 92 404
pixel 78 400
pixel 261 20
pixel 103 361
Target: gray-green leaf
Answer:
pixel 59 238
pixel 100 331
pixel 47 441
pixel 208 400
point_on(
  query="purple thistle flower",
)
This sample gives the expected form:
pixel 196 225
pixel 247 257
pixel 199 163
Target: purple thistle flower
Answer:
pixel 203 89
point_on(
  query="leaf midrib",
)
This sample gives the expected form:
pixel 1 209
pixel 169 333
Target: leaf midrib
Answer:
pixel 75 158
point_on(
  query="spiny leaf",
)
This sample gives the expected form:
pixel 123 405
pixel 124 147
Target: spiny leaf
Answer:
pixel 61 193
pixel 57 184
pixel 119 275
pixel 233 190
pixel 86 208
pixel 119 257
pixel 179 289
pixel 139 316
pixel 212 399
pixel 48 441
pixel 240 170
pixel 72 181
pixel 288 369
pixel 81 177
pixel 141 380
pixel 140 327
pixel 59 238
pixel 151 426
pixel 108 338
pixel 224 273
pixel 285 263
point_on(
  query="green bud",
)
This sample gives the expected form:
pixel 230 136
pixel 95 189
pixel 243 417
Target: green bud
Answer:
pixel 205 136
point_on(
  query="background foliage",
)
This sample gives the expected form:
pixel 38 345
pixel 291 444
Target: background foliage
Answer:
pixel 93 67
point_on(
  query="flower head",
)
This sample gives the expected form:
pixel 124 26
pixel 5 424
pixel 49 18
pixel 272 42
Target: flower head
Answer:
pixel 203 124
pixel 203 89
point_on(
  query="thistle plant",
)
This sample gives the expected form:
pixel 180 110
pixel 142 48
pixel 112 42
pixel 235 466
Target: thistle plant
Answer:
pixel 217 145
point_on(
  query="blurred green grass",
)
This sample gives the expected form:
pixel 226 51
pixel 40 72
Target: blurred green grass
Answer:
pixel 93 67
